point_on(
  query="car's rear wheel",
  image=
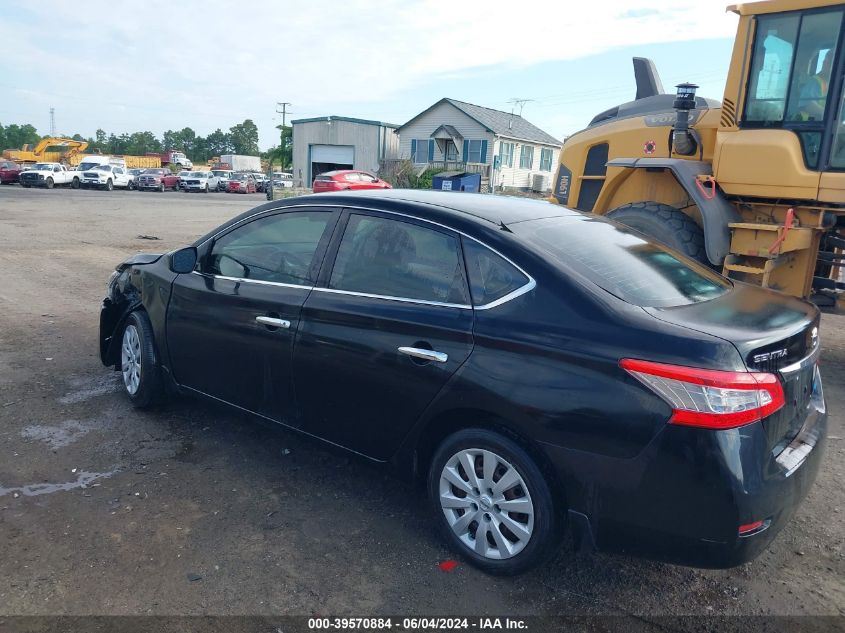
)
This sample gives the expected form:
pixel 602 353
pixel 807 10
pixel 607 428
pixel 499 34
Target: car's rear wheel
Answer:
pixel 49 183
pixel 141 373
pixel 665 224
pixel 74 183
pixel 493 504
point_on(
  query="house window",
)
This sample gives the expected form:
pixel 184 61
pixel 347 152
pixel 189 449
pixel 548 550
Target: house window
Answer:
pixel 473 152
pixel 545 159
pixel 506 154
pixel 421 151
pixel 526 157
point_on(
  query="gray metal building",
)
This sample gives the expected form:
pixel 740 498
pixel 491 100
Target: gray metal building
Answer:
pixel 335 142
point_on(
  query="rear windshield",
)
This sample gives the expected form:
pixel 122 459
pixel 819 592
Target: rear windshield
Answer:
pixel 323 178
pixel 623 262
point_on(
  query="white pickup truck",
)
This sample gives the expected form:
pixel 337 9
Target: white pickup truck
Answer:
pixel 108 177
pixel 46 175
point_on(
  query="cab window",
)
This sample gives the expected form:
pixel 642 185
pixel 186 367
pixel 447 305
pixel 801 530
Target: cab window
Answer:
pixel 279 248
pixel 790 77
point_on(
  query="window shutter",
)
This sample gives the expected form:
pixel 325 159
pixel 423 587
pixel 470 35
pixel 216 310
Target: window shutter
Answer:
pixel 466 151
pixel 413 150
pixel 484 151
pixel 430 150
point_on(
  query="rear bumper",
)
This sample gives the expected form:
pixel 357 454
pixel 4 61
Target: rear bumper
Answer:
pixel 683 499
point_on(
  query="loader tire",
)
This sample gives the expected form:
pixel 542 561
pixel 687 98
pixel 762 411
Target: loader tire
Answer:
pixel 665 224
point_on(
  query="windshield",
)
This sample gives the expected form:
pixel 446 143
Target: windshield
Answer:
pixel 219 173
pixel 239 177
pixel 197 174
pixel 7 166
pixel 154 171
pixel 84 166
pixel 622 262
pixel 43 166
pixel 103 167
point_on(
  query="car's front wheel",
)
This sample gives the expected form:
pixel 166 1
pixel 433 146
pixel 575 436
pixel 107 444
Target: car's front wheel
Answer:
pixel 109 185
pixel 141 372
pixel 49 183
pixel 492 502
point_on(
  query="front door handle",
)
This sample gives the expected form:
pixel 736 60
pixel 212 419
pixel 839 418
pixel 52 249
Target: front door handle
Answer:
pixel 273 322
pixel 424 354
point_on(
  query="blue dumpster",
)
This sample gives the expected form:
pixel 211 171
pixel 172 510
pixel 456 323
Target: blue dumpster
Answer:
pixel 456 181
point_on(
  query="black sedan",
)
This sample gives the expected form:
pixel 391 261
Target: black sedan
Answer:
pixel 537 367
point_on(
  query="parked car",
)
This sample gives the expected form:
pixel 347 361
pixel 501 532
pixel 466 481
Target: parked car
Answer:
pixel 182 176
pixel 260 182
pixel 282 179
pixel 135 172
pixel 158 179
pixel 223 176
pixel 46 175
pixel 347 179
pixel 539 368
pixel 108 177
pixel 241 183
pixel 9 172
pixel 204 181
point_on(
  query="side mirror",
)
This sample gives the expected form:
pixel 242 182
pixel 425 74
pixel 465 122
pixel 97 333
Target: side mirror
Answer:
pixel 184 260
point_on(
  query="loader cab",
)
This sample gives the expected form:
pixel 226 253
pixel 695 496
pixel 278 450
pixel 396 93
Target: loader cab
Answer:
pixel 795 82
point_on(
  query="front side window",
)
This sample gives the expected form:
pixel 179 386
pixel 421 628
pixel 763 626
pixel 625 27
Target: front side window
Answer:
pixel 473 152
pixel 393 258
pixel 526 157
pixel 545 159
pixel 506 154
pixel 491 277
pixel 279 248
pixel 421 151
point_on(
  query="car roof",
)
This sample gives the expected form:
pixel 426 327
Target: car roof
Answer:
pixel 482 207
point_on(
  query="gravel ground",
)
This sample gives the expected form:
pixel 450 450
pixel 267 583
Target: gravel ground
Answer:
pixel 191 509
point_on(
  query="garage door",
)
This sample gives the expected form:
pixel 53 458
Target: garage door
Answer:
pixel 338 154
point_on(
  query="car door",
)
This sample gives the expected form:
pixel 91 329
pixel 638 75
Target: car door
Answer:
pixel 388 324
pixel 120 178
pixel 231 323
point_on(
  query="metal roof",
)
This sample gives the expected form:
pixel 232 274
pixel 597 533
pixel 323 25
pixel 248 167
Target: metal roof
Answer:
pixel 330 118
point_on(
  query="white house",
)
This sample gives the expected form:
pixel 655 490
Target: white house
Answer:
pixel 454 134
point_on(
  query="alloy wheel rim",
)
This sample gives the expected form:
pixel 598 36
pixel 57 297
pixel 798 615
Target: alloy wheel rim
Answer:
pixel 486 503
pixel 130 359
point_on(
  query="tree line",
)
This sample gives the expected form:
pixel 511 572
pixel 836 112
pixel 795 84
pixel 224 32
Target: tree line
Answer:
pixel 240 139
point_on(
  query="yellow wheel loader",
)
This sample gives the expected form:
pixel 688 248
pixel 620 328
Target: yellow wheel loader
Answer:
pixel 753 185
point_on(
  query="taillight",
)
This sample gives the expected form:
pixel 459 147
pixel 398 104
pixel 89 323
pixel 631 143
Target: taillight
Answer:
pixel 708 398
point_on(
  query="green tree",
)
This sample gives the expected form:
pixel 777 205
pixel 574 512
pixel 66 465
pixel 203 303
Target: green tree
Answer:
pixel 15 136
pixel 218 142
pixel 244 138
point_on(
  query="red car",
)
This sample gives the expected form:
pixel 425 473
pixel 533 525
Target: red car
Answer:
pixel 9 172
pixel 157 179
pixel 347 179
pixel 241 183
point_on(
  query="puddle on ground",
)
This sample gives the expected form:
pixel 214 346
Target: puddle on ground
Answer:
pixel 59 436
pixel 83 480
pixel 88 388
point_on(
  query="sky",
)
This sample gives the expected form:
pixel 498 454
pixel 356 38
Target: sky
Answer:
pixel 127 67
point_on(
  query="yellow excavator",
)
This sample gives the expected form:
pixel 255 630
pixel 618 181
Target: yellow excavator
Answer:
pixel 753 185
pixel 48 150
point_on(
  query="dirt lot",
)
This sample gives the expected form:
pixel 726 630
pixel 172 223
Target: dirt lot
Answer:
pixel 194 510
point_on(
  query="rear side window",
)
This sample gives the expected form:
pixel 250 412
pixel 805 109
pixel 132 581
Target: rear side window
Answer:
pixel 491 277
pixel 392 258
pixel 279 248
pixel 622 262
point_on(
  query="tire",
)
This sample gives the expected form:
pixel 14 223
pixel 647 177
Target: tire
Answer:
pixel 665 224
pixel 74 183
pixel 506 552
pixel 206 189
pixel 49 183
pixel 176 187
pixel 141 373
pixel 161 187
pixel 109 185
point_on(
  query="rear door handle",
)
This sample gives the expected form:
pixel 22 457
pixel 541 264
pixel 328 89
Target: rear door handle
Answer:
pixel 424 354
pixel 273 322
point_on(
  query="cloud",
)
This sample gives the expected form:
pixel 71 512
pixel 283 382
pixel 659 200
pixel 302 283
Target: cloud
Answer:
pixel 158 65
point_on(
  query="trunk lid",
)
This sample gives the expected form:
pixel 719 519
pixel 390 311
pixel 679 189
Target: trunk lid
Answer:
pixel 773 333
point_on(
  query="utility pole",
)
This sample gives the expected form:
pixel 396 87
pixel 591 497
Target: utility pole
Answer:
pixel 283 105
pixel 52 121
pixel 519 102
